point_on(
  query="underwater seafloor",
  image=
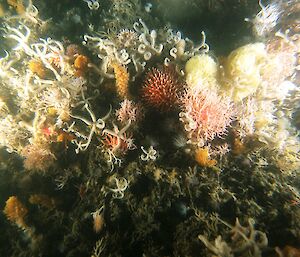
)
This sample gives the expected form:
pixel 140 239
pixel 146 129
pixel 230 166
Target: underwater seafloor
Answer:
pixel 149 128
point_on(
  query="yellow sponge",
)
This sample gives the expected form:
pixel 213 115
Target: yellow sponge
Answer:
pixel 201 71
pixel 243 70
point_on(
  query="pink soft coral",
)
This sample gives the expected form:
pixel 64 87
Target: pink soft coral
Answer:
pixel 205 115
pixel 129 112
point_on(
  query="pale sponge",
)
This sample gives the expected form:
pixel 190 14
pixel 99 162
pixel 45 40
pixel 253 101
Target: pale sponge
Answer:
pixel 201 71
pixel 242 70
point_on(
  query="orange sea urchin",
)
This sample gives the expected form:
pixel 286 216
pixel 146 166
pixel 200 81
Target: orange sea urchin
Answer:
pixel 162 89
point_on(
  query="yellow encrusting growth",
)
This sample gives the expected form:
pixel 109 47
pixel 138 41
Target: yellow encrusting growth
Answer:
pixel 43 200
pixel 202 158
pixel 81 65
pixel 18 5
pixel 122 79
pixel 15 211
pixel 238 147
pixel 37 67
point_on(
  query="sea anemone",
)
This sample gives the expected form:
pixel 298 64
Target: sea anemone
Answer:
pixel 162 89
